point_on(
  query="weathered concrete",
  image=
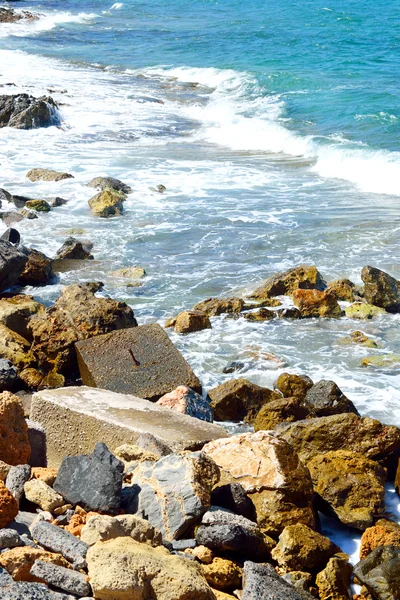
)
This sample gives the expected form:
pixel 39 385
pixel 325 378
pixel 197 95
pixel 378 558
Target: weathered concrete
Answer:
pixel 141 361
pixel 75 418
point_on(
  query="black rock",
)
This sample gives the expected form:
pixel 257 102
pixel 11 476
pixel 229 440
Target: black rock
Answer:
pixel 234 366
pixel 75 249
pixel 93 481
pixel 325 398
pixel 4 195
pixel 11 235
pixel 262 582
pixel 20 201
pixel 26 112
pixel 12 263
pixel 38 444
pixel 233 497
pixel 380 572
pixel 8 375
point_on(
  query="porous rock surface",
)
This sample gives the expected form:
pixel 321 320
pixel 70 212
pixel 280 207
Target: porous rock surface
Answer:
pixel 303 277
pixel 14 442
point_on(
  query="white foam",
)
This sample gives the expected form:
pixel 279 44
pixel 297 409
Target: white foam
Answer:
pixel 46 22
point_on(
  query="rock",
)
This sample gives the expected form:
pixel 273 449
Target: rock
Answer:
pixel 57 201
pixel 12 263
pixel 350 485
pixel 103 527
pixel 234 367
pixel 10 235
pixel 261 582
pixel 346 431
pixel 75 249
pixel 269 470
pixel 77 315
pixel 262 314
pixel 380 572
pixel 8 15
pixel 123 568
pixel 213 307
pixel 19 561
pixel 11 217
pixel 190 321
pixel 290 385
pixel 10 538
pixel 382 361
pixel 285 283
pixel 37 441
pixel 187 402
pixel 61 578
pixel 225 532
pixel 14 442
pixel 52 381
pixel 8 375
pixel 4 470
pixel 233 497
pixel 38 205
pixel 45 474
pixel 239 399
pixel 15 348
pixel 93 481
pixel 19 201
pixel 8 506
pixel 130 273
pixel 380 289
pixel 302 549
pixel 17 477
pixel 47 175
pixel 326 398
pixel 34 591
pixel 202 554
pixel 383 533
pixel 359 338
pixel 43 495
pixel 361 310
pixel 107 204
pixel 89 415
pixel 38 269
pixel 279 411
pixel 174 492
pixel 26 112
pixel 289 313
pixel 110 183
pixel 26 213
pixel 31 377
pixel 313 303
pixel 129 453
pixel 333 582
pixel 149 442
pixel 55 539
pixel 343 289
pixel 223 574
pixel 141 361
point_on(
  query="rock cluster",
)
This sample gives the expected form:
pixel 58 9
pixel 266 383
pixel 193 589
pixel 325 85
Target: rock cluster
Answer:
pixel 26 112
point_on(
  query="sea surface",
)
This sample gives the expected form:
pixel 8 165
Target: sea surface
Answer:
pixel 275 128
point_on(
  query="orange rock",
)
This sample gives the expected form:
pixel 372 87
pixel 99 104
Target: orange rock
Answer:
pixel 14 442
pixel 19 561
pixel 383 533
pixel 8 506
pixel 313 303
pixel 45 474
pixel 75 525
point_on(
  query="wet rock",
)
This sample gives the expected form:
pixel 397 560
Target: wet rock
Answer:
pixel 239 399
pixel 123 568
pixel 8 506
pixel 325 398
pixel 269 470
pixel 14 442
pixel 313 303
pixel 350 485
pixel 47 175
pixel 279 411
pixel 223 574
pixel 38 270
pixel 8 375
pixel 222 531
pixel 12 263
pixel 55 539
pixel 380 289
pixel 346 431
pixel 261 582
pixel 132 273
pixel 17 477
pixel 141 361
pixel 38 205
pixel 233 497
pixel 302 549
pixel 343 289
pixel 11 217
pixel 110 183
pixel 187 402
pixel 43 495
pixel 262 314
pixel 76 315
pixel 108 203
pixel 26 213
pixel 61 578
pixel 57 201
pixel 92 481
pixel 26 112
pixel 291 385
pixel 303 277
pixel 382 361
pixel 19 561
pixel 8 15
pixel 75 249
pixel 190 321
pixel 19 201
pixel 333 582
pixel 234 367
pixel 15 348
pixel 11 235
pixel 10 538
pixel 218 306
pixel 383 533
pixel 289 313
pixel 359 338
pixel 360 310
pixel 379 572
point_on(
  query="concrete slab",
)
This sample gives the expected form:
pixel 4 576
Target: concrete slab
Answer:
pixel 75 418
pixel 141 361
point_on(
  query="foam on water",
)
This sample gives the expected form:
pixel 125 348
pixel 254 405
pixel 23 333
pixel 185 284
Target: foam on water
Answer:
pixel 46 22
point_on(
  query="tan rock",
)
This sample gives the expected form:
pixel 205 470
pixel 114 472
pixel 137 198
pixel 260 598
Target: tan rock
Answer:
pixel 262 314
pixel 313 303
pixel 31 377
pixel 223 574
pixel 359 338
pixel 383 533
pixel 239 399
pixel 302 277
pixel 123 568
pixel 343 289
pixel 190 321
pixel 108 203
pixel 15 348
pixel 333 582
pixel 217 306
pixel 45 474
pixel 203 554
pixel 61 510
pixel 129 273
pixel 47 175
pixel 382 361
pixel 8 506
pixel 269 470
pixel 4 468
pixel 302 549
pixel 100 528
pixel 14 443
pixel 16 312
pixel 52 381
pixel 362 310
pixel 38 492
pixel 279 411
pixel 290 385
pixel 132 453
pixel 19 561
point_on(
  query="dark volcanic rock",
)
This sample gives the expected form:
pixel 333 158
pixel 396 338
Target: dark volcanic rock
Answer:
pixel 75 249
pixel 38 270
pixel 11 235
pixel 93 481
pixel 16 479
pixel 58 540
pixel 326 398
pixel 12 262
pixel 380 572
pixel 21 590
pixel 381 289
pixel 8 375
pixel 233 497
pixel 262 582
pixel 26 112
pixel 67 580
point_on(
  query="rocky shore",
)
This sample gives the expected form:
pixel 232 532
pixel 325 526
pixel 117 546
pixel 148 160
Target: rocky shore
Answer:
pixel 118 478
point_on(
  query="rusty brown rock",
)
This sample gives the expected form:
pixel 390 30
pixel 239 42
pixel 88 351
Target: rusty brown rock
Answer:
pixel 38 269
pixel 313 303
pixel 8 506
pixel 383 533
pixel 279 411
pixel 14 442
pixel 343 289
pixel 190 321
pixel 239 399
pixel 302 277
pixel 290 385
pixel 15 348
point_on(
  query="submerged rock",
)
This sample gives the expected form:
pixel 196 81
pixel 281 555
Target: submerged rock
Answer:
pixel 8 15
pixel 26 112
pixel 75 249
pixel 239 399
pixel 382 361
pixel 134 273
pixel 187 402
pixel 47 175
pixel 359 338
pixel 314 303
pixel 380 289
pixel 303 277
pixel 362 310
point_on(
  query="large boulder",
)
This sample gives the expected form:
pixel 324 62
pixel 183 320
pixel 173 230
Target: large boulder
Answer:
pixel 239 399
pixel 313 303
pixel 302 549
pixel 383 533
pixel 346 431
pixel 174 493
pixel 217 306
pixel 187 402
pixel 75 249
pixel 326 398
pixel 14 441
pixel 47 175
pixel 380 289
pixel 269 470
pixel 12 263
pixel 110 183
pixel 108 203
pixel 15 348
pixel 303 277
pixel 279 411
pixel 26 112
pixel 38 270
pixel 350 485
pixel 123 568
pixel 77 315
pixel 291 384
pixel 379 572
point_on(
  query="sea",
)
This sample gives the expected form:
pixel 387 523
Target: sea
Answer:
pixel 275 129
